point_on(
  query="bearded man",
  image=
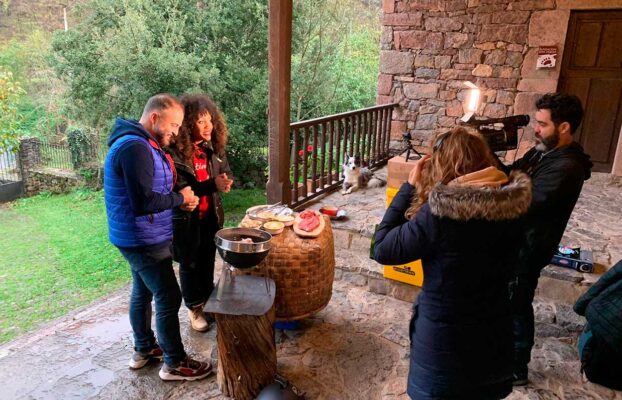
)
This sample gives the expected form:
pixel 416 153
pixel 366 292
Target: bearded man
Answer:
pixel 558 167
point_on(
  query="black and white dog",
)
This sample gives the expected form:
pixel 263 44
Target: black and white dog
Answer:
pixel 355 176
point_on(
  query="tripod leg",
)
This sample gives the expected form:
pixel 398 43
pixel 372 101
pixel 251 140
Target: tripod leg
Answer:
pixel 416 152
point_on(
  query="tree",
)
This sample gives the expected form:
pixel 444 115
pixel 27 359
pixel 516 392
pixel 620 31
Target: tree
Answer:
pixel 121 52
pixel 335 57
pixel 10 92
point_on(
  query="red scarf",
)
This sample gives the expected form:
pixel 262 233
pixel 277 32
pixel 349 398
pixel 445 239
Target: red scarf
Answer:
pixel 201 172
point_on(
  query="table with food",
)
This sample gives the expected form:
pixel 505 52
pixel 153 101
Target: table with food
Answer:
pixel 301 260
pixel 279 265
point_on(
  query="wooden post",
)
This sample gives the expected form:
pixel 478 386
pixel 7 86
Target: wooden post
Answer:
pixel 279 88
pixel 246 354
pixel 244 311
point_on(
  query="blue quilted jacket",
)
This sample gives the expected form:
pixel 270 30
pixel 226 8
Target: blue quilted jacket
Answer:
pixel 126 227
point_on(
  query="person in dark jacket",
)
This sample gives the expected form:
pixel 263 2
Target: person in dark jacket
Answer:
pixel 138 192
pixel 558 167
pixel 462 217
pixel 600 345
pixel 199 155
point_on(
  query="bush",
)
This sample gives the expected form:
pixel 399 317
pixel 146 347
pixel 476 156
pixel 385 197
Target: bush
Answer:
pixel 81 145
pixel 93 175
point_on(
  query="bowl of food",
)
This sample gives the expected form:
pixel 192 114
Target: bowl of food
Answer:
pixel 273 227
pixel 331 211
pixel 243 247
pixel 287 220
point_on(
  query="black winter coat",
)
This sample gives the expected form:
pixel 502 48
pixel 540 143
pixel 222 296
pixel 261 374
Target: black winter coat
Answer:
pixel 557 178
pixel 461 329
pixel 602 307
pixel 186 226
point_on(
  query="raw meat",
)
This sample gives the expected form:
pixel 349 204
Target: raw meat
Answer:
pixel 309 221
pixel 306 214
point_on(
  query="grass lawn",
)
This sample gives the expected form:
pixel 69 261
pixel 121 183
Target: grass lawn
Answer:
pixel 55 255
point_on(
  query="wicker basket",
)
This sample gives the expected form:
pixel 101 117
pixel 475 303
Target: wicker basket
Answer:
pixel 303 270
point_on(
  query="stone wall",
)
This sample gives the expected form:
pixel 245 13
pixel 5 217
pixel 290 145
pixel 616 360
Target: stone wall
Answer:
pixel 52 181
pixel 38 179
pixel 430 47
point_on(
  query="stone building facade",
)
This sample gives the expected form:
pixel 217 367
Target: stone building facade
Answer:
pixel 430 47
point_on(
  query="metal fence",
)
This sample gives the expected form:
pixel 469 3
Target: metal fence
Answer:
pixel 55 156
pixel 11 185
pixel 9 167
pixel 59 156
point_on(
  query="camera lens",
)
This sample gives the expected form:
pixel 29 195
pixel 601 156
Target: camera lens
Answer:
pixel 584 268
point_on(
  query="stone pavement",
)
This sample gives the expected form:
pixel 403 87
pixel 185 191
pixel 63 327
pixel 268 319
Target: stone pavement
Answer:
pixel 356 348
pixel 596 224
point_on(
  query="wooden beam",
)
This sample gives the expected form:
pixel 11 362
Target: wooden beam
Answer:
pixel 279 88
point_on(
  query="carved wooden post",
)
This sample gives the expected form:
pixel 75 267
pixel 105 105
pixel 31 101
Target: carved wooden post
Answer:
pixel 245 316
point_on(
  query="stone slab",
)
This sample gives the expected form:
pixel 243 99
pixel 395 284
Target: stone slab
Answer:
pixel 242 295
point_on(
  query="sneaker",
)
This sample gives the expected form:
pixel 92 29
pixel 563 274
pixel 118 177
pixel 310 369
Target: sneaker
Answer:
pixel 139 359
pixel 197 319
pixel 520 379
pixel 187 370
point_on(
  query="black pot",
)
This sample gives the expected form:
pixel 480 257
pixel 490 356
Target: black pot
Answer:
pixel 243 255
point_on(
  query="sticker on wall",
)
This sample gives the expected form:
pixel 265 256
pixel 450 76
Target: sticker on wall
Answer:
pixel 547 55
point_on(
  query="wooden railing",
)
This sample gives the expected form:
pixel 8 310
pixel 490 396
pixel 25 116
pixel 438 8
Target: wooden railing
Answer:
pixel 318 148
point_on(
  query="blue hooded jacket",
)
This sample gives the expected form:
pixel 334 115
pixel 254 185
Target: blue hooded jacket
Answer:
pixel 138 183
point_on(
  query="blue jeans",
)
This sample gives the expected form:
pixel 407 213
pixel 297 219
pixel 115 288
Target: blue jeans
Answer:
pixel 153 277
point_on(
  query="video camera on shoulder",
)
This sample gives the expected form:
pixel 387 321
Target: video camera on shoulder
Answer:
pixel 500 133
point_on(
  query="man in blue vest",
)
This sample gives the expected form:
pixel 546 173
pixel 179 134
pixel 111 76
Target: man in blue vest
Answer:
pixel 138 191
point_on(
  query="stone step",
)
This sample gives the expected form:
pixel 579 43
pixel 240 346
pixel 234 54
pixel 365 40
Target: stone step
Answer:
pixel 557 285
pixel 354 266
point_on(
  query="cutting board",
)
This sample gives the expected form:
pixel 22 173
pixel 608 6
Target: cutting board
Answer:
pixel 314 233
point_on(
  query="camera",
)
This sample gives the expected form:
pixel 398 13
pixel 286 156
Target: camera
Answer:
pixel 577 259
pixel 500 133
pixel 409 146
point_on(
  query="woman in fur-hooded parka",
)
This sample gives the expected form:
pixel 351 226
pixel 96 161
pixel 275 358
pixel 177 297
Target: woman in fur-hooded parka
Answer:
pixel 460 216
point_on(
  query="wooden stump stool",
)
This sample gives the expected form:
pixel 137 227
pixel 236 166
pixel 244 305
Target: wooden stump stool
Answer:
pixel 245 316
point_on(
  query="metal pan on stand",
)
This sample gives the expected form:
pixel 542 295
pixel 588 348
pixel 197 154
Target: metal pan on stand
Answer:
pixel 241 248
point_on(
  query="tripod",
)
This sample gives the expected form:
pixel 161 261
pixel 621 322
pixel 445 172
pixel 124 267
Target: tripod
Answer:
pixel 409 146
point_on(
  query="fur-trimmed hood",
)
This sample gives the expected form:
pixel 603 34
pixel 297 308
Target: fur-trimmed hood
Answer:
pixel 464 203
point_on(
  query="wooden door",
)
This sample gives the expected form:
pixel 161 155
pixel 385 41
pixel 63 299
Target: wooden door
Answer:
pixel 592 70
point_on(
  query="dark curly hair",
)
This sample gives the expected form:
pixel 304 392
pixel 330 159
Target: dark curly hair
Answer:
pixel 563 107
pixel 196 105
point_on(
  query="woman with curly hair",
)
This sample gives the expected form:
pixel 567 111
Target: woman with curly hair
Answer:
pixel 461 216
pixel 199 155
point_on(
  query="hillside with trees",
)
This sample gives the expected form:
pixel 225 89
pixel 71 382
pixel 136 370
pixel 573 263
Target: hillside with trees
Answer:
pixel 118 53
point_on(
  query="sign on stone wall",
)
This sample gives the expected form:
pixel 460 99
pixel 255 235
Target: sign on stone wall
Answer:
pixel 547 56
